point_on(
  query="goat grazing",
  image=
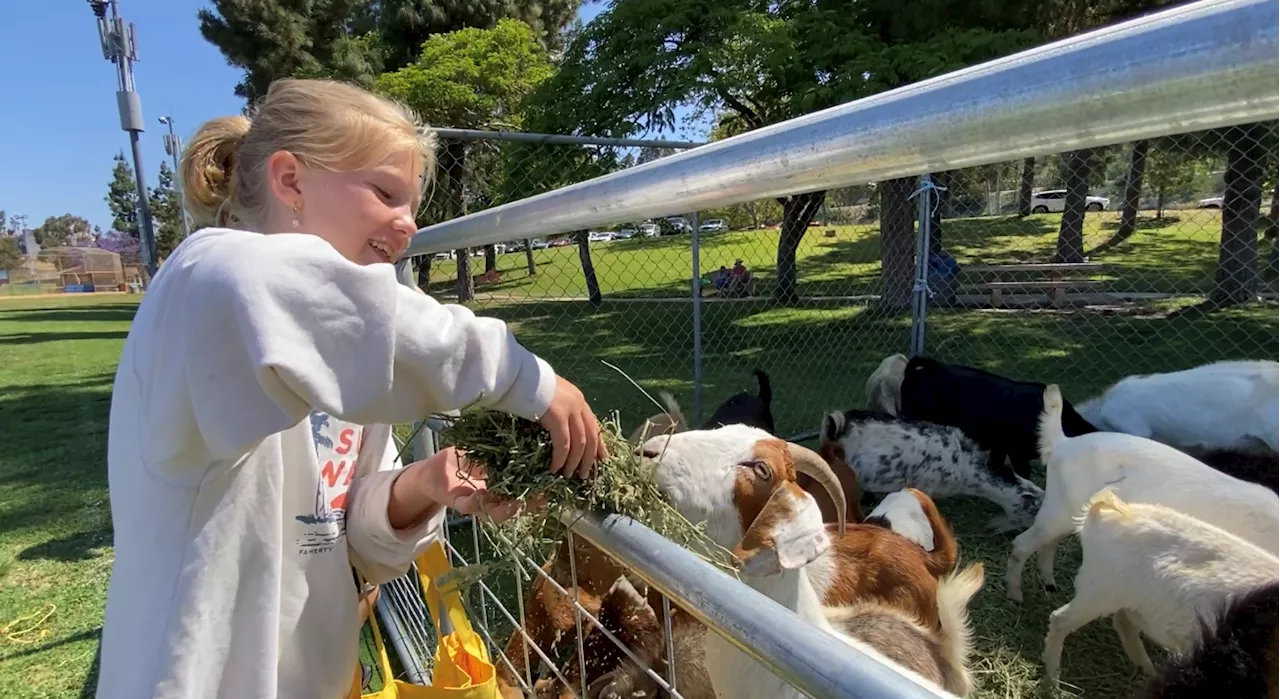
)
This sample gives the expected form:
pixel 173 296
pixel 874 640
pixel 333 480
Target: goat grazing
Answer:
pixel 1140 470
pixel 1231 405
pixel 1235 658
pixel 884 386
pixel 889 454
pixel 747 409
pixel 996 412
pixel 1156 571
pixel 866 584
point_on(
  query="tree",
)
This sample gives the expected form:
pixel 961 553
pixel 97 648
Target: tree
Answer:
pixel 1025 185
pixel 1133 189
pixel 126 246
pixel 10 255
pixel 122 197
pixel 763 62
pixel 1169 173
pixel 67 229
pixel 1077 168
pixel 1249 148
pixel 354 40
pixel 478 79
pixel 166 211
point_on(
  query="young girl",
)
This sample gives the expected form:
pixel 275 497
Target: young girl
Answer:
pixel 250 457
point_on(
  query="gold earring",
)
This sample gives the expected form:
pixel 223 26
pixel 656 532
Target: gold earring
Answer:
pixel 295 215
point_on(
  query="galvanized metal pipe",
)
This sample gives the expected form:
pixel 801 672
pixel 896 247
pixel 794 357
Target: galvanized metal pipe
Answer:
pixel 813 661
pixel 559 139
pixel 1198 66
pixel 920 289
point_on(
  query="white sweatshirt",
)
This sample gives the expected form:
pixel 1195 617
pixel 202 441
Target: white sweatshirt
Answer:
pixel 243 485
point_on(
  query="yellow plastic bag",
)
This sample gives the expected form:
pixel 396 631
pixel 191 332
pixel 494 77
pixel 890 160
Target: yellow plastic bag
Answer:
pixel 462 666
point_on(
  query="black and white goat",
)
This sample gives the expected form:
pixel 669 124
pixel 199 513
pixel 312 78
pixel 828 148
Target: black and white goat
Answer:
pixel 999 413
pixel 1234 658
pixel 889 454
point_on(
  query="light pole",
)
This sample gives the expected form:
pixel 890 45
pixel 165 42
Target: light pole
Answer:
pixel 173 146
pixel 120 46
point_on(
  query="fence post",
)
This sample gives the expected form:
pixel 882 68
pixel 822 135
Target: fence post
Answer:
pixel 696 284
pixel 920 290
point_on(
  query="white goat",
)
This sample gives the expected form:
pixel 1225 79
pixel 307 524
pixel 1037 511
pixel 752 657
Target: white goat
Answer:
pixel 1157 571
pixel 1140 470
pixel 741 481
pixel 889 453
pixel 1232 405
pixel 884 386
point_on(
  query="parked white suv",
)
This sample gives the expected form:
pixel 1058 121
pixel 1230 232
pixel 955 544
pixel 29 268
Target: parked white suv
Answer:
pixel 714 225
pixel 1054 201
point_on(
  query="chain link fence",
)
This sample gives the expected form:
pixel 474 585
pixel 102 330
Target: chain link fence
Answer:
pixel 1075 268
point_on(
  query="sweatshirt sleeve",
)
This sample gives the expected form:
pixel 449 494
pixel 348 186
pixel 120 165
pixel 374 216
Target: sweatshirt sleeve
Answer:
pixel 278 325
pixel 380 552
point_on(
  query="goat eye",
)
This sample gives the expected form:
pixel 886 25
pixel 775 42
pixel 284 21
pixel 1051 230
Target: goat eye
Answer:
pixel 762 470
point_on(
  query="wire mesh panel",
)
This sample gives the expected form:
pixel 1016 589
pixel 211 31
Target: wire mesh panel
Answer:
pixel 1081 268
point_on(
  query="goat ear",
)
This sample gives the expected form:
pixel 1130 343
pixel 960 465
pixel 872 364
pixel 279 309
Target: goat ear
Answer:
pixel 786 535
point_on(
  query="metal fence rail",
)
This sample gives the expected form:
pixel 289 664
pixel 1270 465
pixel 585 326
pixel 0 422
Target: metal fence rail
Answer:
pixel 1049 216
pixel 1200 66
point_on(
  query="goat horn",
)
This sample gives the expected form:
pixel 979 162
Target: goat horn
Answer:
pixel 809 463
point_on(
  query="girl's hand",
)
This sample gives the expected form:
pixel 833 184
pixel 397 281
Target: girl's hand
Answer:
pixel 575 433
pixel 449 479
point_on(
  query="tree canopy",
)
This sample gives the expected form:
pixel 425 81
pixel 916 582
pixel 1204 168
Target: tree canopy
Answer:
pixel 355 40
pixel 757 62
pixel 66 229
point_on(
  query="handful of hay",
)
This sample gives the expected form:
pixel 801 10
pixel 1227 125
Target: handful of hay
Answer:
pixel 516 455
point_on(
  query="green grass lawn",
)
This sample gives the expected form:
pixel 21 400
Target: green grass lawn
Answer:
pixel 1174 254
pixel 59 356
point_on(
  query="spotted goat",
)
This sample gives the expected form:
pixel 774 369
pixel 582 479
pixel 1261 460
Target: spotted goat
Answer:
pixel 888 454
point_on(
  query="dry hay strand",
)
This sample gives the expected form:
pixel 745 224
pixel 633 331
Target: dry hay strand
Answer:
pixel 516 456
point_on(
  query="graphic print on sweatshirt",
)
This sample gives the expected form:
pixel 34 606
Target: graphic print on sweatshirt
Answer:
pixel 337 445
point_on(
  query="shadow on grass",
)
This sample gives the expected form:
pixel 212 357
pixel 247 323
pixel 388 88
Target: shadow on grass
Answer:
pixel 55 459
pixel 36 338
pixel 107 312
pixel 80 546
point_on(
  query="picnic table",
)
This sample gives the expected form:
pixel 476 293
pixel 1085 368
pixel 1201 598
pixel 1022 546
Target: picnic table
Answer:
pixel 1056 278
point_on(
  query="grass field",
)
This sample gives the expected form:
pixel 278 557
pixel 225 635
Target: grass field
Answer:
pixel 59 357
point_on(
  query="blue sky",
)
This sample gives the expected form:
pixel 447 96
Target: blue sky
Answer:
pixel 60 125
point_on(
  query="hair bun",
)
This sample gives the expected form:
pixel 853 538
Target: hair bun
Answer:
pixel 208 169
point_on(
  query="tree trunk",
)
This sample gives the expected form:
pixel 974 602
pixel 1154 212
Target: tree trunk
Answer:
pixel 797 212
pixel 1133 190
pixel 755 220
pixel 1237 277
pixel 588 269
pixel 1270 232
pixel 424 273
pixel 1160 203
pixel 897 242
pixel 490 259
pixel 1026 185
pixel 455 156
pixel 528 257
pixel 1071 232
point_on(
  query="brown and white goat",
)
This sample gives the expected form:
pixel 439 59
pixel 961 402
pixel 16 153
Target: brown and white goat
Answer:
pixel 867 585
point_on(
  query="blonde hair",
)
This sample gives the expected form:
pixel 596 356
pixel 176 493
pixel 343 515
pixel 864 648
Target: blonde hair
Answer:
pixel 325 124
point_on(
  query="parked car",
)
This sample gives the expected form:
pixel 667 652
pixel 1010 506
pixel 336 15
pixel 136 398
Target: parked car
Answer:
pixel 1054 200
pixel 560 242
pixel 624 234
pixel 680 224
pixel 599 237
pixel 1211 202
pixel 714 225
pixel 649 230
pixel 540 244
